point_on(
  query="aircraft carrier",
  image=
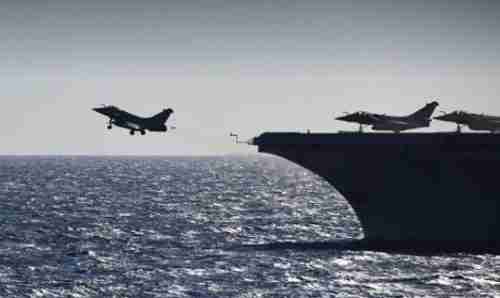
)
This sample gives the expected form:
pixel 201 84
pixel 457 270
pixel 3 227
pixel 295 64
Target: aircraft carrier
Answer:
pixel 436 191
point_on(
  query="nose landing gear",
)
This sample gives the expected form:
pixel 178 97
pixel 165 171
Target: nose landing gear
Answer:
pixel 360 129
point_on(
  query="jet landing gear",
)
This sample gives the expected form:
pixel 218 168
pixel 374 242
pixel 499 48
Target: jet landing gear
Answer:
pixel 360 129
pixel 110 124
pixel 142 131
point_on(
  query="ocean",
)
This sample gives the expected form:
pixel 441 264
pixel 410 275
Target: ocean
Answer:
pixel 233 226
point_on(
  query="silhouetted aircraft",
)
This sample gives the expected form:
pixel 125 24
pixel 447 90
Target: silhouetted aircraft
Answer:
pixel 135 123
pixel 473 121
pixel 421 118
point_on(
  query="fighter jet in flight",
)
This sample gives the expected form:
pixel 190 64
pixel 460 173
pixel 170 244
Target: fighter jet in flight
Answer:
pixel 473 121
pixel 421 118
pixel 135 123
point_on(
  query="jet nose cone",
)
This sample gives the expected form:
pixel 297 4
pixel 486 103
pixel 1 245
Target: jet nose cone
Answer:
pixel 99 110
pixel 349 117
pixel 447 117
pixel 106 110
pixel 444 116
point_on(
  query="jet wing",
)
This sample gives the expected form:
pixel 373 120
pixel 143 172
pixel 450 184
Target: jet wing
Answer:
pixel 496 121
pixel 397 122
pixel 127 124
pixel 374 117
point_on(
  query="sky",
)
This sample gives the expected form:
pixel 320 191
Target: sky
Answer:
pixel 234 66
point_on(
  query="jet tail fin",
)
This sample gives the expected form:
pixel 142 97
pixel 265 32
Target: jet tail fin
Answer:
pixel 163 116
pixel 425 112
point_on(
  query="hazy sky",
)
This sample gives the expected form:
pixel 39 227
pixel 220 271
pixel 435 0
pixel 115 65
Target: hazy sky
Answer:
pixel 241 66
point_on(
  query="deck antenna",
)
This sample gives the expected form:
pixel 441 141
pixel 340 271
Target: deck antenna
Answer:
pixel 236 138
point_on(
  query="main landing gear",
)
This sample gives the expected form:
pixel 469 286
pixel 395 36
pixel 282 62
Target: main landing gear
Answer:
pixel 142 131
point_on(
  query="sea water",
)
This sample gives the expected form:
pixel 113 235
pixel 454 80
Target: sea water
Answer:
pixel 201 227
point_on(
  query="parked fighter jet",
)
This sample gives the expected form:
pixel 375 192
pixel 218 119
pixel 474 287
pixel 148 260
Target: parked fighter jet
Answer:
pixel 135 123
pixel 421 118
pixel 473 121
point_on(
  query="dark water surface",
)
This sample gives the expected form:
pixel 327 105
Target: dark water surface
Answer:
pixel 200 227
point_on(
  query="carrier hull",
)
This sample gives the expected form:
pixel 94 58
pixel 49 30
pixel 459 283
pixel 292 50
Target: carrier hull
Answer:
pixel 429 189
